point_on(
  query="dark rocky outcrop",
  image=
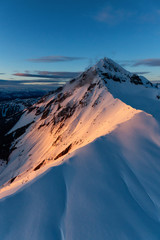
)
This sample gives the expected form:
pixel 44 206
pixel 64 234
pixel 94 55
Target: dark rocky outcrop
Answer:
pixel 39 165
pixel 7 141
pixel 136 80
pixel 64 152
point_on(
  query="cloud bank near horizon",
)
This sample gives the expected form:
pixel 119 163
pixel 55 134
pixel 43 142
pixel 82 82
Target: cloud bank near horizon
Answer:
pixel 152 62
pixel 49 59
pixel 48 74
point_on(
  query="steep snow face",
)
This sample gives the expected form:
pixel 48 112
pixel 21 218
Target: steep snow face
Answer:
pixel 118 193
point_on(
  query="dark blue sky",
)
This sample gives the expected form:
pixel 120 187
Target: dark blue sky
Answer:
pixel 68 35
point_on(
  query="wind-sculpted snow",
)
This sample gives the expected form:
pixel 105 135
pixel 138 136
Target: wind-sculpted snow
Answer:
pixel 109 189
pixel 105 152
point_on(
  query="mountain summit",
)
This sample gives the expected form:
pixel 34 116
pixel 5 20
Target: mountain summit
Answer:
pixel 102 131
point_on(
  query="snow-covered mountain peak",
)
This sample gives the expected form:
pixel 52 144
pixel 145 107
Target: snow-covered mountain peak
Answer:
pixel 110 70
pixel 107 71
pixel 104 73
pixel 86 108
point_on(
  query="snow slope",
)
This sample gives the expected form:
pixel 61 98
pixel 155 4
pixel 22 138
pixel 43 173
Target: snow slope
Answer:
pixel 109 189
pixel 108 184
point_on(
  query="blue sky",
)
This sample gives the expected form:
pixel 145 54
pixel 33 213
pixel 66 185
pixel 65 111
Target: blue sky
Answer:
pixel 60 36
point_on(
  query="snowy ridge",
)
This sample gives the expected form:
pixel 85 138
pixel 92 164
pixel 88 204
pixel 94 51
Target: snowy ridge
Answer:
pixel 104 126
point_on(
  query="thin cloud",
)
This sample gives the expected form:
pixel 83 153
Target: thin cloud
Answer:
pixel 126 63
pixel 2 73
pixel 47 74
pixel 109 15
pixel 152 62
pixel 113 16
pixel 49 59
pixel 141 73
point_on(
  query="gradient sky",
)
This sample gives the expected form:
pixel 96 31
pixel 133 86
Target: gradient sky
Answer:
pixel 40 37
